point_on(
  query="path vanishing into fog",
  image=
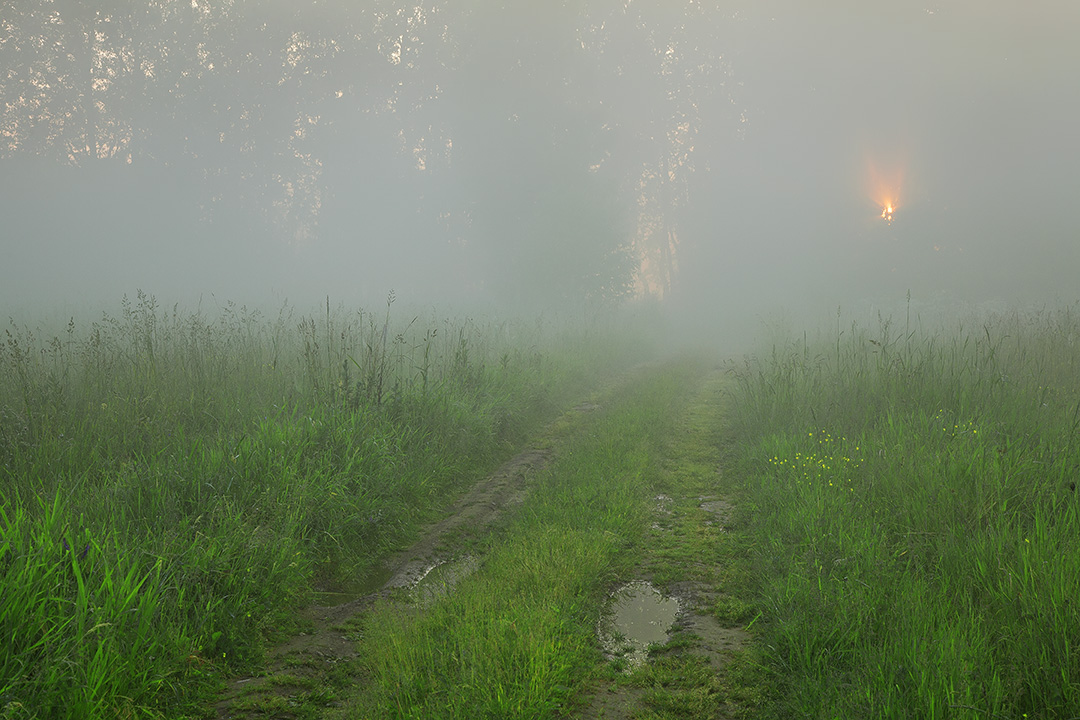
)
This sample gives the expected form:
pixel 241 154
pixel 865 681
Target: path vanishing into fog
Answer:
pixel 601 557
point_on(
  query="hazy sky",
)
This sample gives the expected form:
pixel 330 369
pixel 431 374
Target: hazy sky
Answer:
pixel 964 110
pixel 808 118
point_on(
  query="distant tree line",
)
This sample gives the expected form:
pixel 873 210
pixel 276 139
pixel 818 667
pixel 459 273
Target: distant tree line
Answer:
pixel 533 151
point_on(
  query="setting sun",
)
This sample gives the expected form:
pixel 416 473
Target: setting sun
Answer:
pixel 885 171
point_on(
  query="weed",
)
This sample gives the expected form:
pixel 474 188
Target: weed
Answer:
pixel 916 534
pixel 517 637
pixel 173 485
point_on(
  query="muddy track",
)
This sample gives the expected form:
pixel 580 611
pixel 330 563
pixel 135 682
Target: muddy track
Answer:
pixel 304 676
pixel 710 632
pixel 716 642
pixel 299 665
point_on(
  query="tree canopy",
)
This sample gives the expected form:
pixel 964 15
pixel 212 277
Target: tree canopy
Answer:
pixel 528 151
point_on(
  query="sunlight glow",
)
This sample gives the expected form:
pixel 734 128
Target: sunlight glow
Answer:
pixel 885 173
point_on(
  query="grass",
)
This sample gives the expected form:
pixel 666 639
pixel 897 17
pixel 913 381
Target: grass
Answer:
pixel 697 551
pixel 174 484
pixel 903 536
pixel 517 638
pixel 913 497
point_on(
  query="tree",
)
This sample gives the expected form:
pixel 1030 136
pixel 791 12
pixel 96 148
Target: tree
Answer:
pixel 544 150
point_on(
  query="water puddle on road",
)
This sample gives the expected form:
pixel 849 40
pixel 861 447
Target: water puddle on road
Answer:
pixel 440 578
pixel 639 616
pixel 721 509
pixel 342 592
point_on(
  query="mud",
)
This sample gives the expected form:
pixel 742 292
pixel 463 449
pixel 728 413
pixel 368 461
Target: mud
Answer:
pixel 639 616
pixel 441 578
pixel 720 508
pixel 646 617
pixel 421 570
pixel 716 642
pixel 418 574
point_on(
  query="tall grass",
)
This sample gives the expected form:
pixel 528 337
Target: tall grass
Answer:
pixel 914 493
pixel 173 483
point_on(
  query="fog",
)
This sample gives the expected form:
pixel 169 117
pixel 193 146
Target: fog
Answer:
pixel 727 161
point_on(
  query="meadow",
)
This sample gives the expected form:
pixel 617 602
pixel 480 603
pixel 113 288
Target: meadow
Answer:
pixel 174 484
pixel 911 494
pixel 517 638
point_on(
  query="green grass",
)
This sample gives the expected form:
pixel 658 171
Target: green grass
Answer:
pixel 688 546
pixel 517 638
pixel 175 484
pixel 912 494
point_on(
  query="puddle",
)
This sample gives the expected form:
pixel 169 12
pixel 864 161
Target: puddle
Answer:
pixel 412 572
pixel 440 578
pixel 663 508
pixel 722 509
pixel 639 616
pixel 343 592
pixel 663 504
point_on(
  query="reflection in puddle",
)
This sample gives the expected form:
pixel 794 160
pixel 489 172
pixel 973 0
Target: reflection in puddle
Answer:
pixel 343 592
pixel 440 577
pixel 722 509
pixel 639 616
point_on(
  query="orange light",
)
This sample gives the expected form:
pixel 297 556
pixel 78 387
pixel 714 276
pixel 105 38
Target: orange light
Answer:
pixel 886 169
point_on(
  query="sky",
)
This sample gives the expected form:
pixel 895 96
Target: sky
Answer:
pixel 770 169
pixel 962 112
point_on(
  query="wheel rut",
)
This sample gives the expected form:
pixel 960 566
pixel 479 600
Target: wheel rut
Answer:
pixel 692 545
pixel 300 673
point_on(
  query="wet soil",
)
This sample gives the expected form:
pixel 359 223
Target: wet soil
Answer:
pixel 717 641
pixel 301 673
pixel 643 615
pixel 300 666
pixel 720 508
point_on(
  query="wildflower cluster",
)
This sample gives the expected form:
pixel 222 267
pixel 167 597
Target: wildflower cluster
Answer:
pixel 952 429
pixel 833 463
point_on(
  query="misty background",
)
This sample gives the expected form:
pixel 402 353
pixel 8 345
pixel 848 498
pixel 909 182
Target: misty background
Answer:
pixel 731 160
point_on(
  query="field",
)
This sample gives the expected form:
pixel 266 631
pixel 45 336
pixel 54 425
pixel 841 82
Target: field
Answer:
pixel 353 514
pixel 913 495
pixel 175 485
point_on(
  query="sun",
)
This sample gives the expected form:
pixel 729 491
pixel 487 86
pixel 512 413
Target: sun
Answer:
pixel 884 179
